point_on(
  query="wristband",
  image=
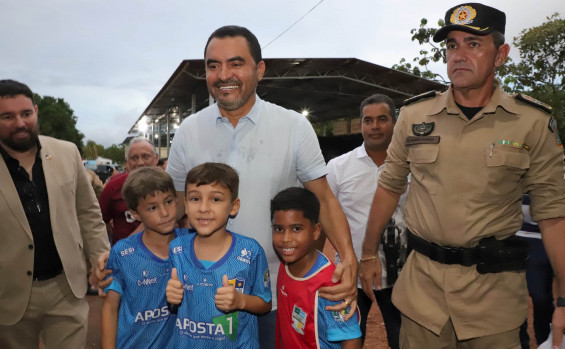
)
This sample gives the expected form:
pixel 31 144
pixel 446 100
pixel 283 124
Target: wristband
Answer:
pixel 560 302
pixel 366 259
pixel 173 308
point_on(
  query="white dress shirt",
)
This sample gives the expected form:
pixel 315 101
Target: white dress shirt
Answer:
pixel 353 180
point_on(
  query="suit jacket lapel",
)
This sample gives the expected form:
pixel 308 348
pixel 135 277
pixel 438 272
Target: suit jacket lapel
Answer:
pixel 10 194
pixel 52 176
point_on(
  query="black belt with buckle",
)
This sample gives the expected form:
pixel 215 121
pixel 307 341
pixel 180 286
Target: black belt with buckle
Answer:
pixel 47 276
pixel 466 256
pixel 490 255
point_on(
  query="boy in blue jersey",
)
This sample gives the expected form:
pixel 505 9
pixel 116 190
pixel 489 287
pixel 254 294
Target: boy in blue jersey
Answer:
pixel 223 278
pixel 302 318
pixel 135 312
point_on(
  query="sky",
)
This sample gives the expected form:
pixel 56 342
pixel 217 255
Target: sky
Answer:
pixel 108 59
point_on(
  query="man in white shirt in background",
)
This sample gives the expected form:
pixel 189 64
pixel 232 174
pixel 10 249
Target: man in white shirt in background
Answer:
pixel 353 180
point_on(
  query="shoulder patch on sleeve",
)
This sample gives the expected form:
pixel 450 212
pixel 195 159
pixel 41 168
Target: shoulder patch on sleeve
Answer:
pixel 553 128
pixel 534 102
pixel 420 97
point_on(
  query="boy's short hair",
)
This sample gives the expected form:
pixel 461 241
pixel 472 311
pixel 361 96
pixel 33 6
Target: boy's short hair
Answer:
pixel 145 181
pixel 214 173
pixel 298 199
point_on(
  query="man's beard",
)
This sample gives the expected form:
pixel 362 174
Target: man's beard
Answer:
pixel 22 145
pixel 233 104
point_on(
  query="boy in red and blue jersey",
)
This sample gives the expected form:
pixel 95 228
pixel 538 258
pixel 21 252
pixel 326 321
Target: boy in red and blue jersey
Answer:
pixel 302 318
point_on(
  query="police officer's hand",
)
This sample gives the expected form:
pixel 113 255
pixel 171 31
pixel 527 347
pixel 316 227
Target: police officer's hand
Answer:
pixel 370 275
pixel 346 291
pixel 558 326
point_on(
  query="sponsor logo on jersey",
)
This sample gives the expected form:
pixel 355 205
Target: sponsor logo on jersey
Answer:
pixel 177 249
pixel 229 324
pixel 283 291
pixel 152 315
pixel 205 283
pixel 245 256
pixel 146 280
pixel 222 326
pixel 239 284
pixel 127 251
pixel 186 285
pixel 298 319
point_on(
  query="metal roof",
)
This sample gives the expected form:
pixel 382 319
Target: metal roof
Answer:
pixel 329 88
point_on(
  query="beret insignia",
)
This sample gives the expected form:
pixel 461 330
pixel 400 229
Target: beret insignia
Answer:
pixel 463 15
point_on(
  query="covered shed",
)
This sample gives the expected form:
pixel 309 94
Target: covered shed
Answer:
pixel 328 91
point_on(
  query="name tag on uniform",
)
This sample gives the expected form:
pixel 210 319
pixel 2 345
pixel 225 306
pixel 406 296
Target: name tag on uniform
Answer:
pixel 412 140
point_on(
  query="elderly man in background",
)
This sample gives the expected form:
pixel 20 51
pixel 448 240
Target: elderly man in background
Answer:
pixel 119 221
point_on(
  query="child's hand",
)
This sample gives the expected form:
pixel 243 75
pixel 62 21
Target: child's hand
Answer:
pixel 174 289
pixel 101 273
pixel 227 298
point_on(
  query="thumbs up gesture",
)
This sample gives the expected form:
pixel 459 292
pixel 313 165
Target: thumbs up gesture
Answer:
pixel 227 298
pixel 174 290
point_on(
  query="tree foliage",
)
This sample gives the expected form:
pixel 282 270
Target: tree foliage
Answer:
pixel 57 119
pixel 430 53
pixel 90 150
pixel 540 72
pixel 115 152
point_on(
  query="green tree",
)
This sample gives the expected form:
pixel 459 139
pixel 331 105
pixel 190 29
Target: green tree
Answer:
pixel 540 72
pixel 90 150
pixel 116 152
pixel 430 53
pixel 57 119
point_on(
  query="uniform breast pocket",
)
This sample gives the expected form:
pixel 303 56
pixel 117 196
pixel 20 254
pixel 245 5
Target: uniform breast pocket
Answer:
pixel 423 153
pixel 505 167
pixel 423 160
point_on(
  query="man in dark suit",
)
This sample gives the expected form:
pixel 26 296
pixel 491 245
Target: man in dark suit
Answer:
pixel 51 223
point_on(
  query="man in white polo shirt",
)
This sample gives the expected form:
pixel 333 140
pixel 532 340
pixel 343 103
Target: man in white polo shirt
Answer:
pixel 271 148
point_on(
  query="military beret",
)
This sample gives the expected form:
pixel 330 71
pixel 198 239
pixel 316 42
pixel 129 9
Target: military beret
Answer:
pixel 473 18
